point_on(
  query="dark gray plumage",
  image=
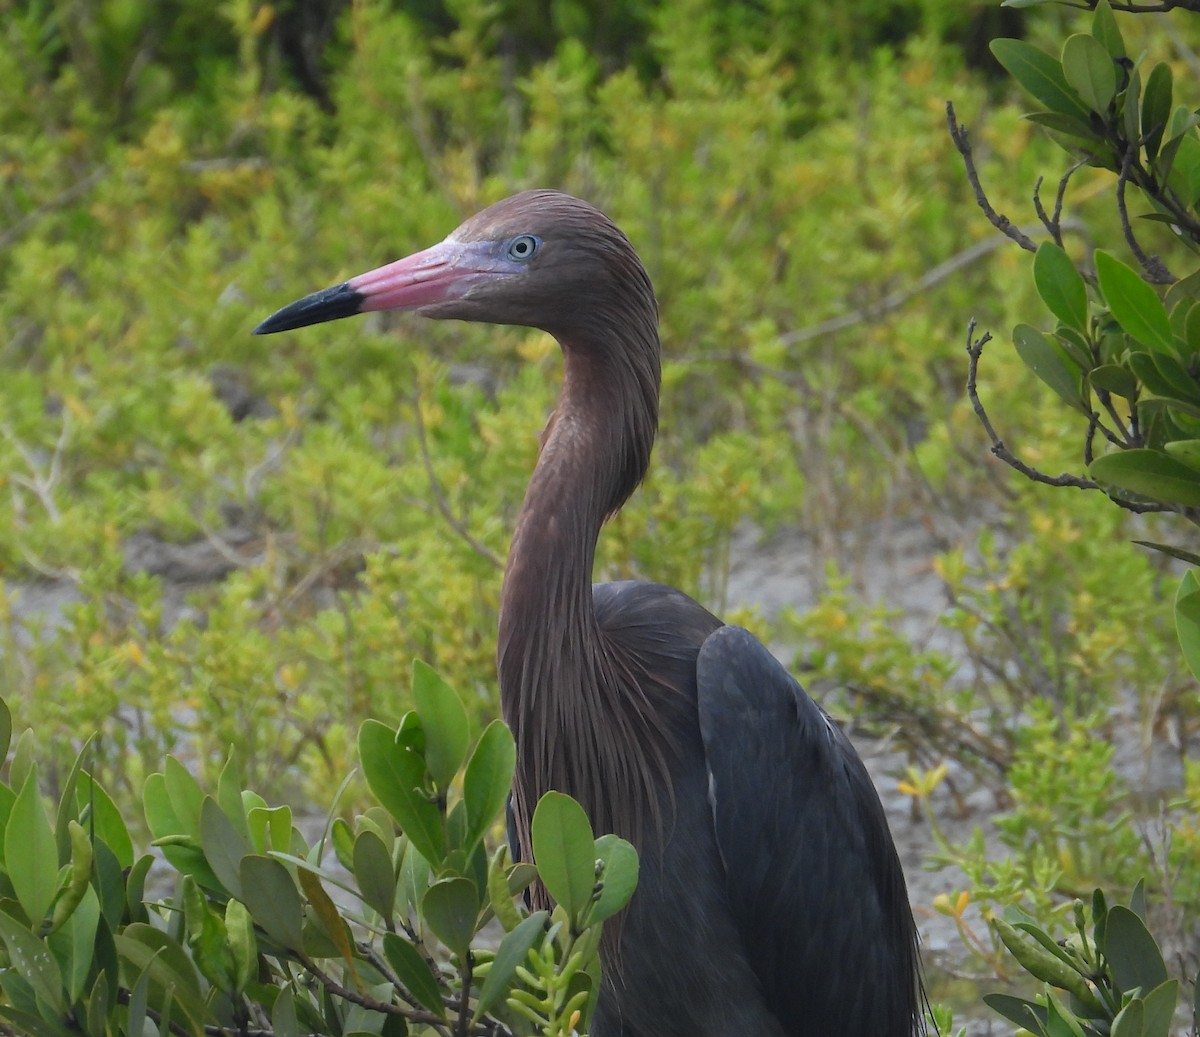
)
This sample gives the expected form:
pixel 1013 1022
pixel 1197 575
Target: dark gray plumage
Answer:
pixel 771 901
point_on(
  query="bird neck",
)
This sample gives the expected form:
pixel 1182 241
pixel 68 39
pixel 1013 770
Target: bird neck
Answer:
pixel 561 683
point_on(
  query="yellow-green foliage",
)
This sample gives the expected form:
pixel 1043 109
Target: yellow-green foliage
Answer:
pixel 159 202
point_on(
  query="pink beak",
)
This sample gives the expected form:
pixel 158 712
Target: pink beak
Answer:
pixel 438 274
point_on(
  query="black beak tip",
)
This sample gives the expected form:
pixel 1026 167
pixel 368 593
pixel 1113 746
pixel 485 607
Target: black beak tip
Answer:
pixel 329 304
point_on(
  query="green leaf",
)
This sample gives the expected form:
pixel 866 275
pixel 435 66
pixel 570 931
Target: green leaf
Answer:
pixel 33 961
pixel 374 872
pixel 224 847
pixel 1104 28
pixel 1049 362
pixel 1185 450
pixel 1129 1020
pixel 1059 1021
pixel 97 810
pixel 271 897
pixel 618 880
pixel 444 722
pixel 170 970
pixel 1040 74
pixel 1187 619
pixel 564 851
pixel 1060 285
pixel 487 780
pixel 1089 70
pixel 396 775
pixel 229 796
pixel 450 909
pixel 74 944
pixel 413 972
pixel 1156 108
pixel 1133 956
pixel 513 951
pixel 239 925
pixel 1148 473
pixel 1159 1007
pixel 1169 549
pixel 1115 379
pixel 1068 124
pixel 31 852
pixel 1134 304
pixel 186 796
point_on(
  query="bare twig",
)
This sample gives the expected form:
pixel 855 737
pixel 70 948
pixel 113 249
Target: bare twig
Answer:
pixel 974 351
pixel 1156 271
pixel 42 483
pixel 1003 224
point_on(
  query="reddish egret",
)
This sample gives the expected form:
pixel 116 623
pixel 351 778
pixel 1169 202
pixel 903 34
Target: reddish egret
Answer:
pixel 771 902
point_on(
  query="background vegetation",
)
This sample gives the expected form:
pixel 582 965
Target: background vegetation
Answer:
pixel 208 540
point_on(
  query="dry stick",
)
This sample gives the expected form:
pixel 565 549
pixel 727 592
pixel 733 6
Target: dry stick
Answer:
pixel 1003 224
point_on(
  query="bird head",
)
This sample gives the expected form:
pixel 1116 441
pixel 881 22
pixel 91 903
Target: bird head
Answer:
pixel 541 259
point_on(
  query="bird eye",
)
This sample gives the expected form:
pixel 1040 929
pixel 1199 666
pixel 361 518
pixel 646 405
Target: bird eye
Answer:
pixel 523 246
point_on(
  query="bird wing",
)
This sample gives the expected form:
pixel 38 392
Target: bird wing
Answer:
pixel 812 876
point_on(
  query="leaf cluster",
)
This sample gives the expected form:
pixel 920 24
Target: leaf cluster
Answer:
pixel 374 928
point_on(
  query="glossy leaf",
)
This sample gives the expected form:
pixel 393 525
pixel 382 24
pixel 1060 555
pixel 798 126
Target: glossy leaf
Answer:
pixel 444 722
pixel 1047 360
pixel 487 780
pixel 1133 303
pixel 1156 107
pixel 1088 68
pixel 1060 285
pixel 1149 473
pixel 1133 956
pixel 396 776
pixel 564 851
pixel 185 794
pixel 413 971
pixel 1040 74
pixel 31 852
pixel 618 880
pixel 513 951
pixel 450 909
pixel 272 899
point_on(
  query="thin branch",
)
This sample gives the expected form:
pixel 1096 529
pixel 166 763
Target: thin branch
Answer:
pixel 974 351
pixel 374 1004
pixel 1156 271
pixel 1003 224
pixel 439 493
